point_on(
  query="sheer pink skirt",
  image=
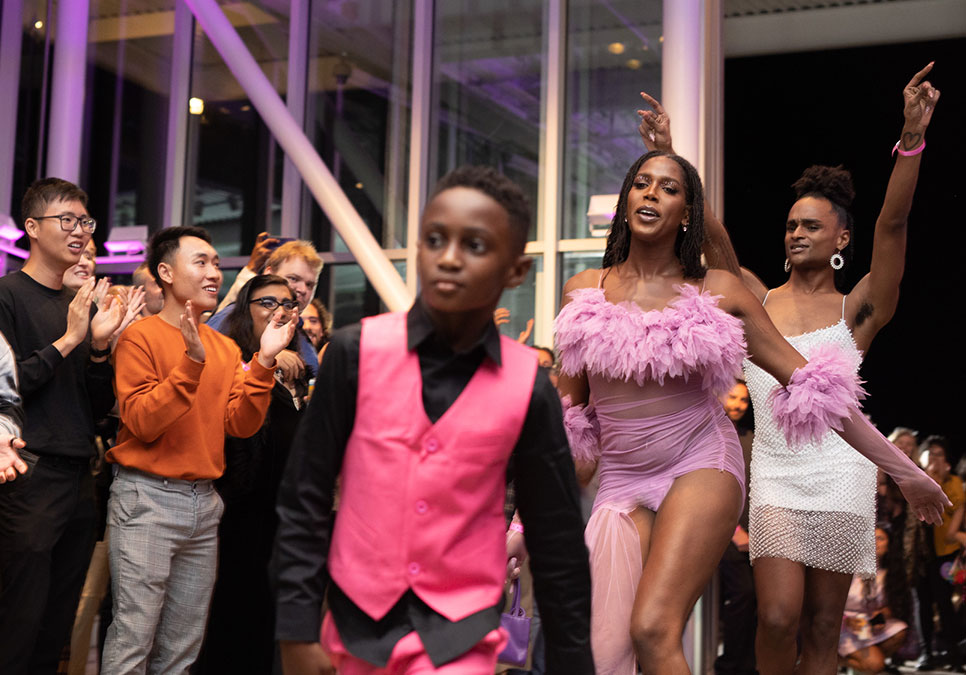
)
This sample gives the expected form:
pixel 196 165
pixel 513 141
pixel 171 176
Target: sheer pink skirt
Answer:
pixel 650 436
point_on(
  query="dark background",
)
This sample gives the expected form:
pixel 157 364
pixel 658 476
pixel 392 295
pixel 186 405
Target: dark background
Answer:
pixel 786 112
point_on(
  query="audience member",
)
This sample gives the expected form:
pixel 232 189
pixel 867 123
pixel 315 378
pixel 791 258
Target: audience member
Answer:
pixel 76 275
pixel 947 542
pixel 47 522
pixel 547 361
pixel 242 606
pixel 11 418
pixel 873 628
pixel 317 323
pixel 738 611
pixel 299 264
pixel 181 387
pixel 153 295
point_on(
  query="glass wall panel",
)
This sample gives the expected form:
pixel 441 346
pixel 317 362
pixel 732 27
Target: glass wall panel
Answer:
pixel 129 53
pixel 348 295
pixel 575 263
pixel 487 60
pixel 234 164
pixel 613 52
pixel 31 104
pixel 520 302
pixel 357 112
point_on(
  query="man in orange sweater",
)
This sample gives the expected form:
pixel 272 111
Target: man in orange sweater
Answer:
pixel 181 387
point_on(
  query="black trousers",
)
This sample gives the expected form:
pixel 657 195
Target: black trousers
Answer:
pixel 738 614
pixel 934 589
pixel 47 523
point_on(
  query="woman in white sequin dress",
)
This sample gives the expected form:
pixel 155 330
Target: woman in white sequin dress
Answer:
pixel 812 514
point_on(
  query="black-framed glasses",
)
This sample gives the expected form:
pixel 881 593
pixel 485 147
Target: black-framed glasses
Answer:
pixel 272 303
pixel 69 223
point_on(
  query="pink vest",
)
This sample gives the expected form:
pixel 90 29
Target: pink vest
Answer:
pixel 422 503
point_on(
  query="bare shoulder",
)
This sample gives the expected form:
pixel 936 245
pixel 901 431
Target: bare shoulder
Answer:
pixel 721 282
pixel 735 296
pixel 585 279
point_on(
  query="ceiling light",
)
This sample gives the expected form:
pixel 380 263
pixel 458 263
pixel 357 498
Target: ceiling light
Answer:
pixel 616 47
pixel 633 64
pixel 196 106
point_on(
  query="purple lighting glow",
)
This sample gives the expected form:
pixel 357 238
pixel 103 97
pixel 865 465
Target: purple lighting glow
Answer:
pixel 123 246
pixel 10 232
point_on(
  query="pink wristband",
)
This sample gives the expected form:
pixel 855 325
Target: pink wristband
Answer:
pixel 908 153
pixel 516 527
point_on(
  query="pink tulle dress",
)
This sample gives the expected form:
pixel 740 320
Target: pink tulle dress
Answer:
pixel 654 377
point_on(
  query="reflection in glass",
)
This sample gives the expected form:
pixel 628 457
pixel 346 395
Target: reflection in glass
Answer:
pixel 521 302
pixel 357 112
pixel 234 165
pixel 613 52
pixel 487 60
pixel 127 105
pixel 348 294
pixel 575 263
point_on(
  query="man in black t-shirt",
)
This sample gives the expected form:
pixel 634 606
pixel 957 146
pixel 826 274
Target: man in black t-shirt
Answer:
pixel 47 514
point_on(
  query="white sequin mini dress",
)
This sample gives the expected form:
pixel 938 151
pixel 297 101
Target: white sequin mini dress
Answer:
pixel 814 504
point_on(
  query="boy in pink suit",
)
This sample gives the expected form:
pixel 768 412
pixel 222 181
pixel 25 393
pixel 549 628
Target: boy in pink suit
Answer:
pixel 425 415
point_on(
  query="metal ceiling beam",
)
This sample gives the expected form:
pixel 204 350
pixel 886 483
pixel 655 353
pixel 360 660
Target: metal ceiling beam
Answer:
pixel 319 180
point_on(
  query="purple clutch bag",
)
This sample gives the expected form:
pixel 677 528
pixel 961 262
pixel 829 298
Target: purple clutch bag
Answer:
pixel 517 625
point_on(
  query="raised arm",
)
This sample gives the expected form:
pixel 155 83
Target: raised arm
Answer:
pixel 822 394
pixel 879 289
pixel 655 131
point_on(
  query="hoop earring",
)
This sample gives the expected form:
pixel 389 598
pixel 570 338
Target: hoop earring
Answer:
pixel 836 261
pixel 788 265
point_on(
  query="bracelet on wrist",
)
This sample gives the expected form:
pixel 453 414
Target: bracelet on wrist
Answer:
pixel 908 153
pixel 100 353
pixel 516 527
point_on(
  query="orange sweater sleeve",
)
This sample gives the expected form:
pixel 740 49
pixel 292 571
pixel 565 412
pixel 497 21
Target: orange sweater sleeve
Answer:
pixel 141 393
pixel 251 394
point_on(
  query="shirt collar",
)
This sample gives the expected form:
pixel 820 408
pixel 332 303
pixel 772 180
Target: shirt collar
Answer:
pixel 419 328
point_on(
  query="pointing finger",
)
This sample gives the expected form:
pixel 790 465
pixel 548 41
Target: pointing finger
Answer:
pixel 918 76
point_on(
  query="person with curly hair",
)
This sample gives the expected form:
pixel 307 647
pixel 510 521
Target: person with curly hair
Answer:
pixel 813 506
pixel 646 344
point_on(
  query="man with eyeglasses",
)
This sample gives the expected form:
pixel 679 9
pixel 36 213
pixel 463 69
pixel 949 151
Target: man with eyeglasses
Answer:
pixel 61 347
pixel 300 265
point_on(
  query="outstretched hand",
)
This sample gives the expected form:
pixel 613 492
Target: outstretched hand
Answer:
pixel 926 499
pixel 655 126
pixel 919 103
pixel 277 335
pixel 265 244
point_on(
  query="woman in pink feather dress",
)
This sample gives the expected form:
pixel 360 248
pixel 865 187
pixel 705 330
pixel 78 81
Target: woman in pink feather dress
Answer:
pixel 647 343
pixel 812 508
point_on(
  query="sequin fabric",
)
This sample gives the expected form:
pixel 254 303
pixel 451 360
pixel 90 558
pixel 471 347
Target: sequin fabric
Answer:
pixel 814 504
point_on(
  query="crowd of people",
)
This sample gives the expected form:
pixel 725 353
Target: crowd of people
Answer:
pixel 283 498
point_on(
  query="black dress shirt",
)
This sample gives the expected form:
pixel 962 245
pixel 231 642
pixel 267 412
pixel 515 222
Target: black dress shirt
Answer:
pixel 547 498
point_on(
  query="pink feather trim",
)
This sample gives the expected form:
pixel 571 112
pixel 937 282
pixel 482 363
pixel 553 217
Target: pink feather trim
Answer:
pixel 583 431
pixel 621 341
pixel 819 396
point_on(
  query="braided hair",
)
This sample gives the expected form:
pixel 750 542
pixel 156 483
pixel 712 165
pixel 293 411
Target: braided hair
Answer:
pixel 687 245
pixel 833 184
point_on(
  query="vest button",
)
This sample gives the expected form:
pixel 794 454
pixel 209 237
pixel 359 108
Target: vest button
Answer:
pixel 414 568
pixel 421 507
pixel 432 445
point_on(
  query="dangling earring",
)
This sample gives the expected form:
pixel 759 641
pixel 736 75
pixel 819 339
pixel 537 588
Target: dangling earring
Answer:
pixel 788 265
pixel 836 261
pixel 684 227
